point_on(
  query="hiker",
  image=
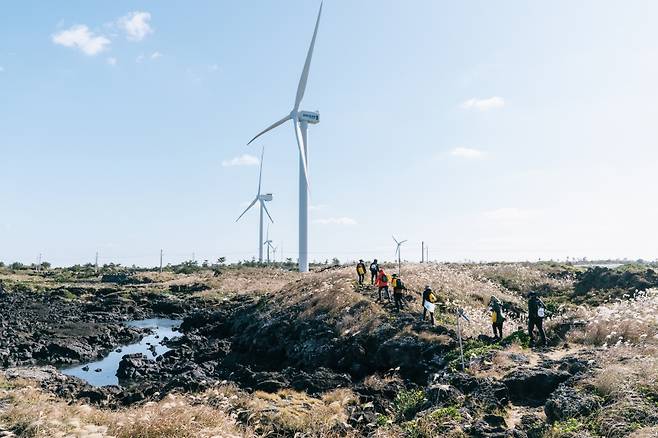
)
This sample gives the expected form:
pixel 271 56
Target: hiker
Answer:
pixel 382 284
pixel 428 303
pixel 536 314
pixel 361 271
pixel 398 287
pixel 374 270
pixel 497 317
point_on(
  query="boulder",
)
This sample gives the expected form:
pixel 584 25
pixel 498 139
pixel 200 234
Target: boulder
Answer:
pixel 568 402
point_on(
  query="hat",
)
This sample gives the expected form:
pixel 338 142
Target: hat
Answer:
pixel 395 275
pixel 361 260
pixel 427 286
pixel 532 293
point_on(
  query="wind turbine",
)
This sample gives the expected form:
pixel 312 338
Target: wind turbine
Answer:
pixel 261 199
pixel 397 252
pixel 268 243
pixel 300 120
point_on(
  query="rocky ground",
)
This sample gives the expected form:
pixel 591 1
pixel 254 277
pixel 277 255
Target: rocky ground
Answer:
pixel 268 352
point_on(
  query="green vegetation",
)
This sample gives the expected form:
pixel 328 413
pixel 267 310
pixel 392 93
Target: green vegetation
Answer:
pixel 441 422
pixel 472 348
pixel 407 403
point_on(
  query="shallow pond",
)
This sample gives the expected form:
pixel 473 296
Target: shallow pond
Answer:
pixel 108 366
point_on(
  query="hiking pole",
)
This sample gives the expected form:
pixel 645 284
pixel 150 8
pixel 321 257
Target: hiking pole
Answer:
pixel 460 314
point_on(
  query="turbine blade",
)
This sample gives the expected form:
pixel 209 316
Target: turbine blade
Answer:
pixel 260 172
pixel 302 149
pixel 403 242
pixel 395 240
pixel 269 128
pixel 247 209
pixel 307 65
pixel 268 213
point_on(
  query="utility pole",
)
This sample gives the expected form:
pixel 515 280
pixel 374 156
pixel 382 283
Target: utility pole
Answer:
pixel 161 261
pixel 193 257
pixel 96 263
pixel 39 263
pixel 422 251
pixel 427 250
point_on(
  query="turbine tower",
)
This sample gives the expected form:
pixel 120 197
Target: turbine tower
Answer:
pixel 397 252
pixel 300 120
pixel 261 199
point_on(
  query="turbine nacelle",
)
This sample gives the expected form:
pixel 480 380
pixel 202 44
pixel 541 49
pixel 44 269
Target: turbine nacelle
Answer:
pixel 266 197
pixel 309 116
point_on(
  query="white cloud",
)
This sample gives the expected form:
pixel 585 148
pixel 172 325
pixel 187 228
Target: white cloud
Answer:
pixel 136 25
pixel 471 154
pixel 112 61
pixel 483 104
pixel 242 160
pixel 336 221
pixel 213 67
pixel 80 37
pixel 2 69
pixel 156 55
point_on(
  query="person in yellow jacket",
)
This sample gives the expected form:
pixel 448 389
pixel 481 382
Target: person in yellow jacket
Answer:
pixel 497 317
pixel 428 303
pixel 361 271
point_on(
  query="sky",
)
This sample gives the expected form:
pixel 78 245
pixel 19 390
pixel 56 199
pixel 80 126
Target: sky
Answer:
pixel 489 130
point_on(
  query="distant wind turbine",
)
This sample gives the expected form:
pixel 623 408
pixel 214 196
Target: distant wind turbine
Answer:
pixel 261 199
pixel 268 244
pixel 300 120
pixel 397 252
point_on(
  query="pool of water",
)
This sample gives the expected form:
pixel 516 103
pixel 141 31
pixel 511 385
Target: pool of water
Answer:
pixel 108 366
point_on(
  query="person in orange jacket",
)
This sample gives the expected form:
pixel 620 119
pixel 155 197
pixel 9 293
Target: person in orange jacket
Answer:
pixel 382 284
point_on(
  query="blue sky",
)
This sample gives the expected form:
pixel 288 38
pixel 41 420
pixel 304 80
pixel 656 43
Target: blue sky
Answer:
pixel 491 130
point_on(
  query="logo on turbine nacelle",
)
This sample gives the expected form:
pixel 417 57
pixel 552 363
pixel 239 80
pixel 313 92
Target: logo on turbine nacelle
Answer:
pixel 309 117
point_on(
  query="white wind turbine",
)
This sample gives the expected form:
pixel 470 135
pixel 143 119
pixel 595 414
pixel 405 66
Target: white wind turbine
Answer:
pixel 397 252
pixel 261 199
pixel 268 244
pixel 300 120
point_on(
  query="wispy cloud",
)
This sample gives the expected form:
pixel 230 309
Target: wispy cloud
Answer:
pixel 242 160
pixel 336 221
pixel 156 55
pixel 468 153
pixel 2 69
pixel 80 37
pixel 136 25
pixel 483 104
pixel 317 207
pixel 112 61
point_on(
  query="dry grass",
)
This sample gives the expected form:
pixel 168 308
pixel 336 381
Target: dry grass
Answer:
pixel 28 411
pixel 31 412
pixel 632 321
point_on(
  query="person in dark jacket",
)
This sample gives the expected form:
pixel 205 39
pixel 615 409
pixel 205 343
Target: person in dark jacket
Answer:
pixel 536 314
pixel 374 270
pixel 428 297
pixel 398 287
pixel 497 317
pixel 361 271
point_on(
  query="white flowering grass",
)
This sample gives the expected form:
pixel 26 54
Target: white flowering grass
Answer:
pixel 623 322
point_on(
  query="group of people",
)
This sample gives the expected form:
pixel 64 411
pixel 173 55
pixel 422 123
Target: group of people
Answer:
pixel 380 279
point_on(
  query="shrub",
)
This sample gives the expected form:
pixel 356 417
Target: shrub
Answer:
pixel 408 402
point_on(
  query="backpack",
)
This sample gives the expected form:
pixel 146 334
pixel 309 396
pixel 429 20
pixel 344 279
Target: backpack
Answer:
pixel 384 278
pixel 398 284
pixel 374 268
